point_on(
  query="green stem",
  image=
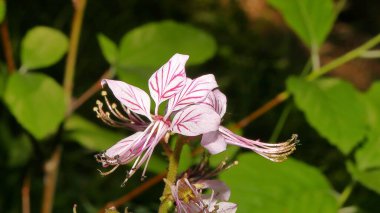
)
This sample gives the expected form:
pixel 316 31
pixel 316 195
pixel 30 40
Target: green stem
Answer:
pixel 171 176
pixel 76 27
pixel 346 193
pixel 281 122
pixel 345 58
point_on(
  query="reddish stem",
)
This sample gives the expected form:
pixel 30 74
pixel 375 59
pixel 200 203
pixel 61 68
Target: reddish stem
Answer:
pixel 8 51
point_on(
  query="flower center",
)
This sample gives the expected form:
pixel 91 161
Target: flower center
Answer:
pixel 161 118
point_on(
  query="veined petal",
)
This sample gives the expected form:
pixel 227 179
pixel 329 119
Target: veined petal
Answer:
pixel 276 152
pixel 195 120
pixel 213 142
pixel 194 91
pixel 217 100
pixel 169 79
pixel 123 151
pixel 225 207
pixel 134 98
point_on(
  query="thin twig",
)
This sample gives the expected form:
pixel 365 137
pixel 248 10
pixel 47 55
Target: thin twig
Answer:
pixel 7 46
pixel 262 110
pixel 89 92
pixel 50 180
pixel 134 193
pixel 76 26
pixel 25 194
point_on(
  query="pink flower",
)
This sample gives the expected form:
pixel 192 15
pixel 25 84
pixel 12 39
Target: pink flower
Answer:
pixel 216 141
pixel 182 115
pixel 189 196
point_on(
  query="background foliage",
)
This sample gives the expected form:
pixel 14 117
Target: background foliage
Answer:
pixel 256 49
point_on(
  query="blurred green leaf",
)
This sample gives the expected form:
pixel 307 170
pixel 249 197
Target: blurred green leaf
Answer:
pixel 186 159
pixel 42 47
pixel 157 163
pixel 90 135
pixel 333 107
pixel 3 9
pixel 215 160
pixel 109 48
pixel 37 102
pixel 367 158
pixel 17 148
pixel 369 178
pixel 152 44
pixel 3 80
pixel 311 20
pixel 259 185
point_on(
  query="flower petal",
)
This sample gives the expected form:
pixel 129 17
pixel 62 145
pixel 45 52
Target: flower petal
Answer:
pixel 213 142
pixel 169 79
pixel 194 91
pixel 217 100
pixel 276 152
pixel 195 120
pixel 226 207
pixel 135 99
pixel 221 190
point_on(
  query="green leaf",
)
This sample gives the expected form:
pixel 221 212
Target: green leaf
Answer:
pixel 333 107
pixel 369 178
pixel 3 9
pixel 42 47
pixel 311 20
pixel 3 80
pixel 90 135
pixel 37 102
pixel 109 48
pixel 227 155
pixel 259 185
pixel 367 157
pixel 151 45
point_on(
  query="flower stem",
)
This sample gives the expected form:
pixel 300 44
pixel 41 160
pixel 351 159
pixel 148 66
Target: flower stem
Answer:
pixel 171 177
pixel 68 80
pixel 346 193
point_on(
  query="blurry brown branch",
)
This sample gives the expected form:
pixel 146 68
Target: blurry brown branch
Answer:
pixel 262 110
pixel 25 194
pixel 134 193
pixel 7 47
pixel 50 179
pixel 89 92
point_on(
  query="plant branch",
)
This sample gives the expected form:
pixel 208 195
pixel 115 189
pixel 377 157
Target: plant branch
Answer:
pixel 68 81
pixel 134 193
pixel 171 177
pixel 89 92
pixel 7 46
pixel 346 193
pixel 25 194
pixel 262 110
pixel 358 52
pixel 50 179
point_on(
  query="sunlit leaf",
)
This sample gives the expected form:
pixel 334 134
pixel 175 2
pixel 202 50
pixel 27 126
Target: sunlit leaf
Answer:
pixel 311 20
pixel 2 10
pixel 90 135
pixel 3 79
pixel 259 185
pixel 108 47
pixel 37 102
pixel 42 47
pixel 151 45
pixel 333 107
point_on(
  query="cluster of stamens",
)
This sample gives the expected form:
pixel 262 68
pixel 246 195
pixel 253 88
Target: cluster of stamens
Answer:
pixel 278 152
pixel 116 118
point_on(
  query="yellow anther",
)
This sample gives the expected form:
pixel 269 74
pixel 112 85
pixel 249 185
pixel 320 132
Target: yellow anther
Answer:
pixel 114 105
pixel 104 93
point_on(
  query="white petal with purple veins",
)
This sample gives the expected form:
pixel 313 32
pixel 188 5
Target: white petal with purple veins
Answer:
pixel 195 120
pixel 194 91
pixel 134 98
pixel 169 79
